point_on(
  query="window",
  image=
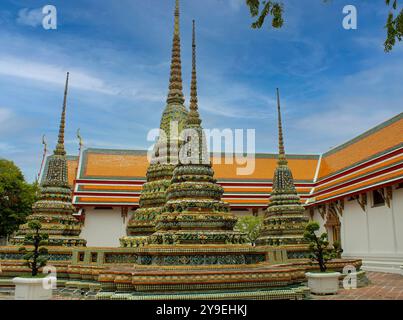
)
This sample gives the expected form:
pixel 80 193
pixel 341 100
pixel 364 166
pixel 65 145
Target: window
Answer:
pixel 377 199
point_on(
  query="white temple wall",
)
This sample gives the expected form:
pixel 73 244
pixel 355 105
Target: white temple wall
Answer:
pixel 374 235
pixel 317 217
pixel 397 209
pixel 248 212
pixel 103 227
pixel 241 213
pixel 380 228
pixel 354 230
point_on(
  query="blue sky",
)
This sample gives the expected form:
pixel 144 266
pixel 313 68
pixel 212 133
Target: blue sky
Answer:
pixel 335 84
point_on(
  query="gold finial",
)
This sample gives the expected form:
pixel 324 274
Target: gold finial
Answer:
pixel 281 153
pixel 60 143
pixel 80 140
pixel 175 94
pixel 45 151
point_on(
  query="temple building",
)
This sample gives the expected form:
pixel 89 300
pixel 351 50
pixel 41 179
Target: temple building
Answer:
pixel 354 190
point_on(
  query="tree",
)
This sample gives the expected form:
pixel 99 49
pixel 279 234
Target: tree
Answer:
pixel 261 9
pixel 321 252
pixel 251 226
pixel 16 198
pixel 38 257
pixel 394 26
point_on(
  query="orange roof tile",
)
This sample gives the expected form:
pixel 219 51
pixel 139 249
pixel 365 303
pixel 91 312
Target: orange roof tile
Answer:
pixel 72 165
pixel 302 167
pixel 133 164
pixel 377 140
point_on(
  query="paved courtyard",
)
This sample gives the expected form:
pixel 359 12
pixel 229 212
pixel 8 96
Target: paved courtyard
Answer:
pixel 383 286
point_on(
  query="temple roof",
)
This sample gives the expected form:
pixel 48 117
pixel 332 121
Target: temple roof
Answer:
pixel 378 140
pixel 372 159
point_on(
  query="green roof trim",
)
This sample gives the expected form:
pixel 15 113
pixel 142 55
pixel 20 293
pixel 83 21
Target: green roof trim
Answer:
pixel 116 151
pixel 365 134
pixel 80 188
pixel 271 156
pixel 260 180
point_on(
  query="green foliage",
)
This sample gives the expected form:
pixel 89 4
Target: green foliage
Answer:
pixel 16 198
pixel 321 252
pixel 274 9
pixel 394 27
pixel 337 248
pixel 38 257
pixel 251 226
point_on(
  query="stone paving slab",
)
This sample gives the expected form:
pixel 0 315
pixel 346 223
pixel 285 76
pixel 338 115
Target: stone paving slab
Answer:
pixel 383 286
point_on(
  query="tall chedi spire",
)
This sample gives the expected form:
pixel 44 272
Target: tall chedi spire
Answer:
pixel 285 220
pixel 159 173
pixel 54 210
pixel 60 142
pixel 194 212
pixel 175 94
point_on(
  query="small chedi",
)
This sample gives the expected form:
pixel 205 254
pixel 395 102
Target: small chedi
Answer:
pixel 54 210
pixel 159 174
pixel 194 212
pixel 285 221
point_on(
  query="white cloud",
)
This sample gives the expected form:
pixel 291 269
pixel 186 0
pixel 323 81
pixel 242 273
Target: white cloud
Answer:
pixel 351 106
pixel 5 115
pixel 30 17
pixel 138 88
pixel 6 148
pixel 6 119
pixel 95 143
pixel 235 4
pixel 52 74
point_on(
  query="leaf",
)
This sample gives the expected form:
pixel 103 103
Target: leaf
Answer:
pixel 253 7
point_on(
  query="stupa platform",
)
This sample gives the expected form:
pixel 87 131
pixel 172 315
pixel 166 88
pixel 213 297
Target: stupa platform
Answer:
pixel 196 272
pixel 115 275
pixel 13 265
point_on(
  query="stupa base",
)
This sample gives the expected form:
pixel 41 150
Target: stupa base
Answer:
pixel 133 241
pixel 181 272
pixel 54 241
pixel 289 293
